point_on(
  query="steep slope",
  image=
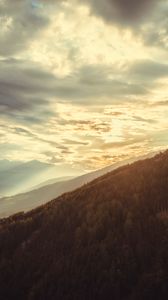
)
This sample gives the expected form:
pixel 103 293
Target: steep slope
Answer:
pixel 29 200
pixel 106 240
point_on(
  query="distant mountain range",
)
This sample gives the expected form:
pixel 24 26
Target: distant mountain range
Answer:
pixel 17 177
pixel 105 240
pixel 51 189
pixel 51 181
pixel 6 165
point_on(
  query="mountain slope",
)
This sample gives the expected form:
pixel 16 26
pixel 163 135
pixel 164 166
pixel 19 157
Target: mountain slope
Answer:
pixel 29 200
pixel 106 240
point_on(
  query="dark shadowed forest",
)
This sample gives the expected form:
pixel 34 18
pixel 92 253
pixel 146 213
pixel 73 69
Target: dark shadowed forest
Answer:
pixel 106 240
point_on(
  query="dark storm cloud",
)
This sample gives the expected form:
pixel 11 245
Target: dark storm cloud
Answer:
pixel 124 12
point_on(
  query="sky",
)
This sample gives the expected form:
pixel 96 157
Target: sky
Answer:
pixel 83 84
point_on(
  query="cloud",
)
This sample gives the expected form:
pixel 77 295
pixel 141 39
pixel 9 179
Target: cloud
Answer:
pixel 27 87
pixel 19 24
pixel 74 88
pixel 123 12
pixel 148 70
pixel 144 120
pixel 146 18
pixel 73 142
pixel 96 81
pixel 155 33
pixel 160 103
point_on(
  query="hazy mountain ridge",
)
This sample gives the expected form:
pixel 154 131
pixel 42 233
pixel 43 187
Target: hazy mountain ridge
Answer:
pixel 52 181
pixel 106 240
pixel 6 164
pixel 31 199
pixel 15 177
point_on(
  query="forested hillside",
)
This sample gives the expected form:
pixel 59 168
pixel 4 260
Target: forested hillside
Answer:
pixel 106 240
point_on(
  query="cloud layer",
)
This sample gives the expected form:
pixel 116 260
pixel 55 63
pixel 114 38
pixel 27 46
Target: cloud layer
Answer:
pixel 124 12
pixel 83 83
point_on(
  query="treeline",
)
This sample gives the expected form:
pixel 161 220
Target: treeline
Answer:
pixel 106 240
